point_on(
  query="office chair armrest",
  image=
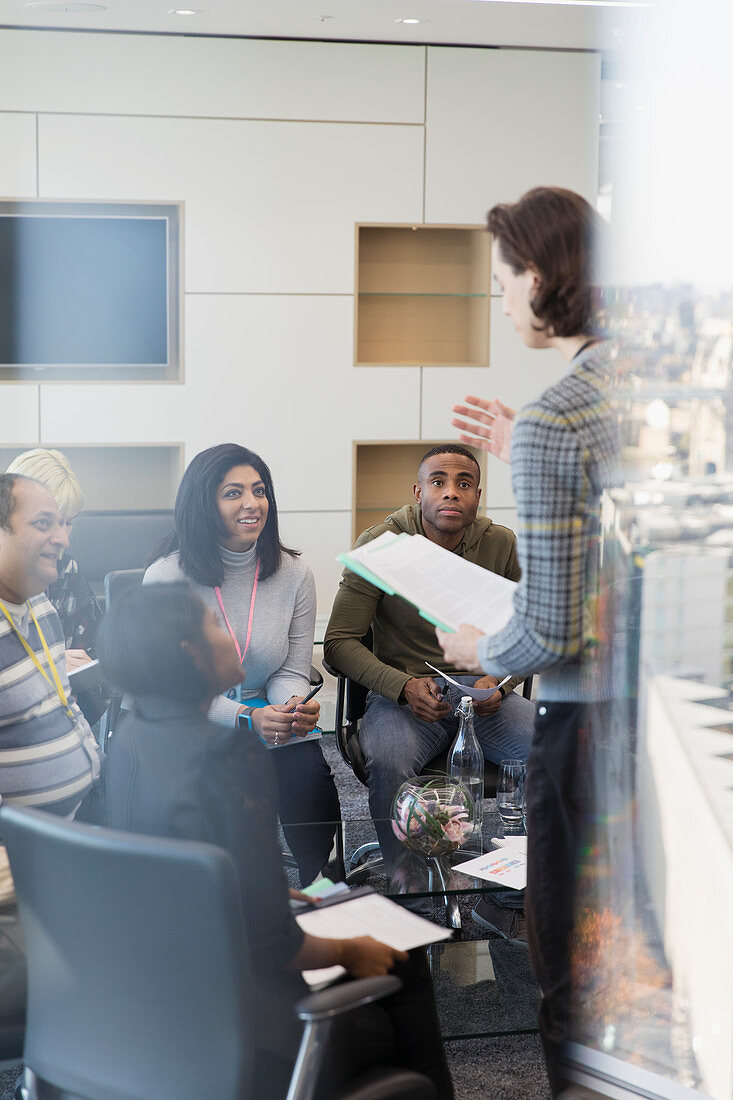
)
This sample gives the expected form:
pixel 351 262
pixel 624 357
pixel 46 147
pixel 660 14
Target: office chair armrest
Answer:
pixel 330 669
pixel 342 998
pixel 315 676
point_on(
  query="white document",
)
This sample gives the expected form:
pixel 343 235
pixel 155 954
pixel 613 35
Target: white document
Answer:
pixel 508 866
pixel 319 979
pixel 479 694
pixel 447 589
pixel 372 915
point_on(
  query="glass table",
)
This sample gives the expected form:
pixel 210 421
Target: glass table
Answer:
pixel 484 987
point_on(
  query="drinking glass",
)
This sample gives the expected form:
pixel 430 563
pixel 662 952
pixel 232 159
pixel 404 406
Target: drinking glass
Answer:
pixel 510 791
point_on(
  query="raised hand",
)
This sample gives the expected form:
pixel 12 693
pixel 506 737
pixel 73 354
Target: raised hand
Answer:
pixel 491 429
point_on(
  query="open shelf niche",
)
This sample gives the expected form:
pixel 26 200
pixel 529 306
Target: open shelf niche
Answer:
pixel 383 476
pixel 422 295
pixel 118 478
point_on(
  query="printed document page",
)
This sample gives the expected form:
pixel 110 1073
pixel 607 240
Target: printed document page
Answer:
pixel 372 915
pixel 507 866
pixel 447 588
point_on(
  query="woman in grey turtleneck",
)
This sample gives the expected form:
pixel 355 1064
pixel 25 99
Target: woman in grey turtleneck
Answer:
pixel 226 543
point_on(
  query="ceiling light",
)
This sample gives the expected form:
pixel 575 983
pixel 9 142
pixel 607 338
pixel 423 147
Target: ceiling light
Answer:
pixel 410 21
pixel 185 11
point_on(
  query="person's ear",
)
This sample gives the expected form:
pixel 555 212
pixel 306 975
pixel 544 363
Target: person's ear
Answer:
pixel 478 495
pixel 200 661
pixel 536 279
pixel 417 492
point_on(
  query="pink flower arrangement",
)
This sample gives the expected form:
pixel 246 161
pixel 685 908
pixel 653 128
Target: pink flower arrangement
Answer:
pixel 432 815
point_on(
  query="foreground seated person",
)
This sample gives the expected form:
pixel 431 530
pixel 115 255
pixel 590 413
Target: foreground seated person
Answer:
pixel 409 716
pixel 48 756
pixel 172 772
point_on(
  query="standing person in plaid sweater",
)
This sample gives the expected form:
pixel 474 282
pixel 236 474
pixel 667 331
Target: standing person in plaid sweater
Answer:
pixel 562 448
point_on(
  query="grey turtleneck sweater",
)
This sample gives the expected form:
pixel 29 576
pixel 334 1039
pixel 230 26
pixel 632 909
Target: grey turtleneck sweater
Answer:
pixel 277 663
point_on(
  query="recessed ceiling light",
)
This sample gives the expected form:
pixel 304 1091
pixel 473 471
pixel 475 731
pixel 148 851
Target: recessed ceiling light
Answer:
pixel 185 11
pixel 57 6
pixel 410 20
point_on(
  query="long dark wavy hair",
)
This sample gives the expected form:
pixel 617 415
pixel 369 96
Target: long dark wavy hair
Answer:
pixel 199 528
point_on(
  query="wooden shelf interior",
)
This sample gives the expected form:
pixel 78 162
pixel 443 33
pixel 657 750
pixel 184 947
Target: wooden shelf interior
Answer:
pixel 384 474
pixel 119 478
pixel 422 295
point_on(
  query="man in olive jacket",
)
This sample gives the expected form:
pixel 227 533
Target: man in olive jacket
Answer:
pixel 409 714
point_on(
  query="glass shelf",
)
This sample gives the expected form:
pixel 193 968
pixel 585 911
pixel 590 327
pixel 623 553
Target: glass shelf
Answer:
pixel 415 294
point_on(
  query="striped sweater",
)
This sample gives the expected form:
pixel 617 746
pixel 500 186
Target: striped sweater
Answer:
pixel 46 760
pixel 563 455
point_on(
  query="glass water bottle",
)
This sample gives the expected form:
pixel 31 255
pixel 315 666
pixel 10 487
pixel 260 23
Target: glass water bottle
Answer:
pixel 466 761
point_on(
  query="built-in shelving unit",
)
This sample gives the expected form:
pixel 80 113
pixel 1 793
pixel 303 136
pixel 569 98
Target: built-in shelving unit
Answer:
pixel 117 478
pixel 384 474
pixel 422 295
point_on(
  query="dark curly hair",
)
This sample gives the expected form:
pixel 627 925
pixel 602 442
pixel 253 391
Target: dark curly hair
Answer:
pixel 553 231
pixel 450 449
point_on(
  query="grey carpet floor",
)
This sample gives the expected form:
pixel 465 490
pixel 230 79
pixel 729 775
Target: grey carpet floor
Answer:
pixel 506 1068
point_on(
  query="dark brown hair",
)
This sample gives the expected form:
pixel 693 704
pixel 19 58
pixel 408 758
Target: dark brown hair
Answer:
pixel 140 643
pixel 7 498
pixel 553 231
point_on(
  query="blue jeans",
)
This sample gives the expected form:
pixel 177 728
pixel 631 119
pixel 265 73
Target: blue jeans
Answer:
pixel 397 746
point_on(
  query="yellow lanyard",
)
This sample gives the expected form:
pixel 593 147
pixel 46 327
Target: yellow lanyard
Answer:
pixel 51 664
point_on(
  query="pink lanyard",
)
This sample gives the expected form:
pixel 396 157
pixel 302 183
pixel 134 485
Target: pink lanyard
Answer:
pixel 217 590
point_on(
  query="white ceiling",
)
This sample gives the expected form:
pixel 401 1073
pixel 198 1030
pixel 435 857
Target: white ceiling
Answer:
pixel 471 22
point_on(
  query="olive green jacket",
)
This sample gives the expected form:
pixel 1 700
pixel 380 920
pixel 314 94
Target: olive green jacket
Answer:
pixel 403 641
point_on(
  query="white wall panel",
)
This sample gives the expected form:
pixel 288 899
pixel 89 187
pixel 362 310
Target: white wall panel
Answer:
pixel 18 159
pixel 270 206
pixel 228 78
pixel 114 413
pixel 519 373
pixel 321 536
pixel 502 121
pixel 273 373
pixel 18 414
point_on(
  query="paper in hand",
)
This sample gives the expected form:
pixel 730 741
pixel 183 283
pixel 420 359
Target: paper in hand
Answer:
pixel 479 694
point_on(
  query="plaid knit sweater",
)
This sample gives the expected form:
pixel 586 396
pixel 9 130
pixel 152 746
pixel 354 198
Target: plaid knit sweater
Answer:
pixel 563 455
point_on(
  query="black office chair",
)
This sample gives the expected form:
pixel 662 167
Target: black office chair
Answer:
pixel 115 584
pixel 138 972
pixel 351 699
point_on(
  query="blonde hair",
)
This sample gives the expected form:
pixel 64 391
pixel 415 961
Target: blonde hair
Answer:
pixel 53 471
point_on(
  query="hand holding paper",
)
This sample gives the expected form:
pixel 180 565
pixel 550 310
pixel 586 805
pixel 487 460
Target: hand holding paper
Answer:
pixel 460 648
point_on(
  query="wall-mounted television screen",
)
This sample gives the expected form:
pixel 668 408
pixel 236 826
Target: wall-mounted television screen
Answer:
pixel 89 287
